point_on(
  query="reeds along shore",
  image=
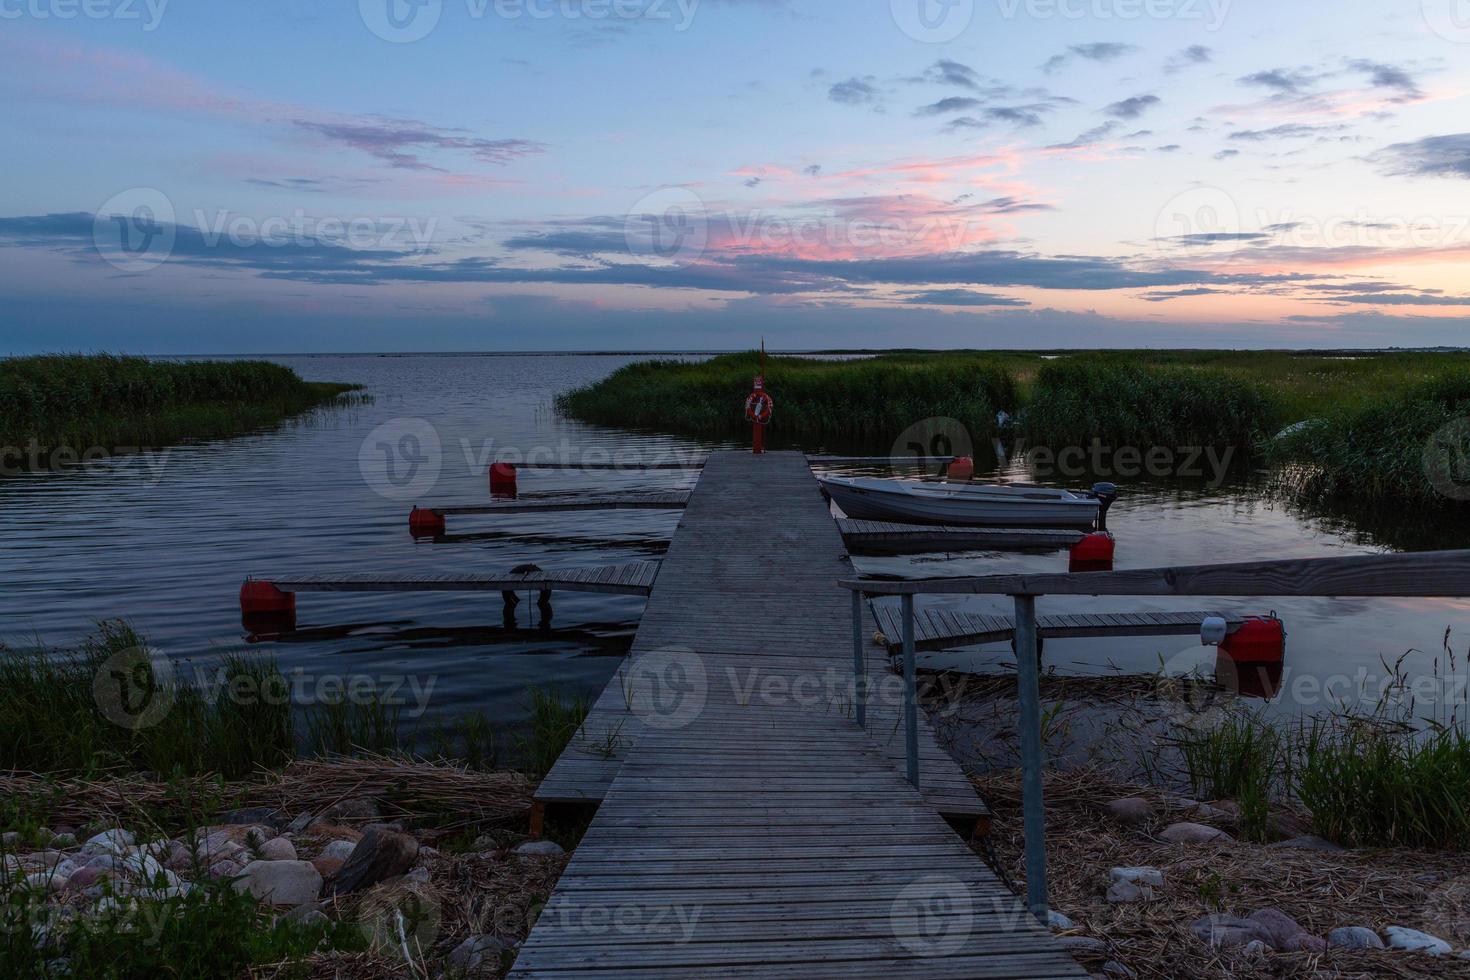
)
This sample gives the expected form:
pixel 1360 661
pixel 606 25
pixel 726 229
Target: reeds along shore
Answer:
pixel 62 406
pixel 1335 426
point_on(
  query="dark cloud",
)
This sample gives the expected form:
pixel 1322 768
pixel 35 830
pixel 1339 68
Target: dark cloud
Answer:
pixel 1385 76
pixel 944 106
pixel 1283 80
pixel 1218 238
pixel 946 72
pixel 854 91
pixel 1226 154
pixel 1132 108
pixel 399 142
pixel 1432 156
pixel 1400 299
pixel 1161 296
pixel 961 297
pixel 1013 205
pixel 815 170
pixel 1284 131
pixel 753 182
pixel 1195 54
pixel 1094 135
pixel 1169 148
pixel 1101 51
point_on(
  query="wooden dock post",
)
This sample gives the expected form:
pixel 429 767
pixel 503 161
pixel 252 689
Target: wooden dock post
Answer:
pixel 910 694
pixel 859 666
pixel 1028 676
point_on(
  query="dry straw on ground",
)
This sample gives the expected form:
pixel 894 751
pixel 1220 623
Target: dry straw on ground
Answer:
pixel 1374 888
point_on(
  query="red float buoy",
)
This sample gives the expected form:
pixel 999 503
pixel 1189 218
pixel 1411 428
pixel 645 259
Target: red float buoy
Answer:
pixel 1260 640
pixel 257 597
pixel 423 523
pixel 962 468
pixel 1094 553
pixel 503 480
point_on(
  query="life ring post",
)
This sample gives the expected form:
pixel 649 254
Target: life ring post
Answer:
pixel 758 409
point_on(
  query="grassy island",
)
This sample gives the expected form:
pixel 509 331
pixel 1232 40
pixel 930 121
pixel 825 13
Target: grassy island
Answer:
pixel 1336 425
pixel 59 407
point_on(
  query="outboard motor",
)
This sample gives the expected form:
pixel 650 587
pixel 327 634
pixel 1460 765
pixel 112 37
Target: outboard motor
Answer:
pixel 1105 494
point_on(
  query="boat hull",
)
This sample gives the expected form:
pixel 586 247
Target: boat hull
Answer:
pixel 957 508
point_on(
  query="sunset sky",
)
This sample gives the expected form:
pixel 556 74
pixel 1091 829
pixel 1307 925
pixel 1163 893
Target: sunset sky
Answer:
pixel 185 176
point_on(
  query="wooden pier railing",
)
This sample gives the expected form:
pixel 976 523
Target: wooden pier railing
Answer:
pixel 1424 574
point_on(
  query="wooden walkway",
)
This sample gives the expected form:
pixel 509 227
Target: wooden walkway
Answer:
pixel 748 827
pixel 884 537
pixel 632 578
pixel 937 627
pixel 550 505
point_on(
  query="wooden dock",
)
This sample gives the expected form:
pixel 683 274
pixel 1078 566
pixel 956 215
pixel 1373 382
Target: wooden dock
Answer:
pixel 887 538
pixel 748 826
pixel 551 505
pixel 630 578
pixel 937 627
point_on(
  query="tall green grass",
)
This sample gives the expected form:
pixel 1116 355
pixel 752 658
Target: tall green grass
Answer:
pixel 214 931
pixel 1391 447
pixel 1375 785
pixel 555 719
pixel 1123 403
pixel 862 399
pixel 60 713
pixel 1241 758
pixel 52 718
pixel 1392 774
pixel 105 401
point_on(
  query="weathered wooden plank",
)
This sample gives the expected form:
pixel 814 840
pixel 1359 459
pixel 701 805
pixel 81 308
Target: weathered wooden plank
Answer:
pixel 884 537
pixel 548 505
pixel 1431 574
pixel 936 628
pixel 633 578
pixel 788 825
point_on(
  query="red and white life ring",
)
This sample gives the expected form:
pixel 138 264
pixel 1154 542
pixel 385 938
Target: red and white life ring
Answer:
pixel 758 407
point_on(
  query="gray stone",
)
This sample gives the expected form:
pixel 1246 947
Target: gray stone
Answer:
pixel 1130 810
pixel 1121 892
pixel 1083 945
pixel 64 840
pixel 1193 833
pixel 303 911
pixel 299 825
pixel 1227 930
pixel 311 917
pixel 281 883
pixel 1309 842
pixel 1280 927
pixel 1401 937
pixel 355 808
pixel 1354 937
pixel 1056 920
pixel 471 954
pixel 1138 876
pixel 277 849
pixel 267 815
pixel 338 850
pixel 381 854
pixel 11 838
pixel 1255 950
pixel 225 868
pixel 114 840
pixel 539 848
pixel 1304 943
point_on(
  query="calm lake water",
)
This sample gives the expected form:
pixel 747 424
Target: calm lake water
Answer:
pixel 165 540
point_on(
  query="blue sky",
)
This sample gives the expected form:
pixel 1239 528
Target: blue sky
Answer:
pixel 693 174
